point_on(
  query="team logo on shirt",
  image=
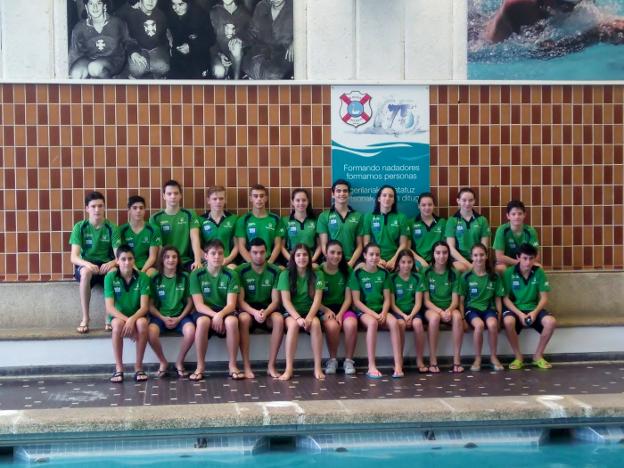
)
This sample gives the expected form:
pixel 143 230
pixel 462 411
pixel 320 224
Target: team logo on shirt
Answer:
pixel 355 108
pixel 399 292
pixel 222 285
pixel 417 232
pixel 206 289
pixel 100 44
pixel 368 285
pixel 207 227
pixel 130 243
pixel 515 284
pixel 166 227
pixel 117 289
pixel 460 230
pixel 181 221
pixel 150 27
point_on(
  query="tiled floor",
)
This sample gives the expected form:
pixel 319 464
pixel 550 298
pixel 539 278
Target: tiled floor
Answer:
pixel 96 391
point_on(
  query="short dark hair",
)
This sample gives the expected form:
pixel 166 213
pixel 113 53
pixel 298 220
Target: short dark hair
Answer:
pixel 214 244
pixel 515 204
pixel 527 249
pixel 94 196
pixel 172 183
pixel 123 248
pixel 466 190
pixel 258 187
pixel 427 195
pixel 340 182
pixel 135 199
pixel 214 189
pixel 257 242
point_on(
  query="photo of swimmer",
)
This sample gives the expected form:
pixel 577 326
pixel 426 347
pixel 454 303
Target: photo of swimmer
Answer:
pixel 546 40
pixel 180 39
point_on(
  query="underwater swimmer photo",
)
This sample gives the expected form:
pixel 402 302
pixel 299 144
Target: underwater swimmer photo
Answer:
pixel 545 40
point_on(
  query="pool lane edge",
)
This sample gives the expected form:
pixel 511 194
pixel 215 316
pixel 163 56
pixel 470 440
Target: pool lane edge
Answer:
pixel 298 416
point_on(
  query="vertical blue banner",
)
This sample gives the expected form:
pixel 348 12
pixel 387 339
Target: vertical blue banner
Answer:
pixel 380 136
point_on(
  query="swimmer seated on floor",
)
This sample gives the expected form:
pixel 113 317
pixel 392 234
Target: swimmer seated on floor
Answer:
pixel 127 295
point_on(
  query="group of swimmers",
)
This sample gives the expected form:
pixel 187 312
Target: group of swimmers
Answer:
pixel 226 275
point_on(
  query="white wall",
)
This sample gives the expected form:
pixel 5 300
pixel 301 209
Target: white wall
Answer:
pixel 385 40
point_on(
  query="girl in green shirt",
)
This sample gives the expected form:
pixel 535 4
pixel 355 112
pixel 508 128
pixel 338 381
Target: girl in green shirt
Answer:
pixel 335 308
pixel 406 304
pixel 170 307
pixel 426 229
pixel 300 226
pixel 442 304
pixel 481 292
pixel 370 289
pixel 301 290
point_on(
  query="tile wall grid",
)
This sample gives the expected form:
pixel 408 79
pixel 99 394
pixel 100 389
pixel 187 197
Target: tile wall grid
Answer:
pixel 559 148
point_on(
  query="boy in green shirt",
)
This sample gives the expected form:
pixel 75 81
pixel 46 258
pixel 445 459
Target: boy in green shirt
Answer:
pixel 217 223
pixel 526 295
pixel 142 237
pixel 126 294
pixel 93 242
pixel 259 223
pixel 511 235
pixel 179 226
pixel 259 305
pixel 342 223
pixel 215 294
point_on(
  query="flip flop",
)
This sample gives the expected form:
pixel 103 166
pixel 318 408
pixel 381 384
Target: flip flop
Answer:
pixel 372 376
pixel 82 328
pixel 398 375
pixel 542 363
pixel 457 369
pixel 497 367
pixel 516 364
pixel 182 374
pixel 108 327
pixel 196 376
pixel 475 368
pixel 161 374
pixel 434 369
pixel 117 377
pixel 423 370
pixel 140 376
pixel 237 375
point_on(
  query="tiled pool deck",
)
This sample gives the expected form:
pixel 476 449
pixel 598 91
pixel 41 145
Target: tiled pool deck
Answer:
pixel 568 394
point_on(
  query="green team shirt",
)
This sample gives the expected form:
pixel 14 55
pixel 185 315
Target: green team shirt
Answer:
pixel 258 286
pixel 170 294
pixel 335 287
pixel 301 300
pixel 423 236
pixel 96 243
pixel 507 241
pixel 405 291
pixel 371 287
pixel 525 292
pixel 345 230
pixel 440 286
pixel 479 291
pixel 267 228
pixel 295 232
pixel 223 230
pixel 386 231
pixel 127 296
pixel 467 233
pixel 140 242
pixel 175 230
pixel 214 289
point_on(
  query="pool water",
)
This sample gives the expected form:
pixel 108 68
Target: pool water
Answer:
pixel 553 49
pixel 550 455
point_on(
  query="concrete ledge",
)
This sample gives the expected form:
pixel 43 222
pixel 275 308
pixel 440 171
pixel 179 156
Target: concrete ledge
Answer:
pixel 51 310
pixel 301 416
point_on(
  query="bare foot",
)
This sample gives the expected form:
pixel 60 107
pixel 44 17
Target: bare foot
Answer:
pixel 318 374
pixel 272 372
pixel 248 373
pixel 287 375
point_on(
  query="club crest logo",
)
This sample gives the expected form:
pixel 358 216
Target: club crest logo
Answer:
pixel 100 44
pixel 150 27
pixel 355 108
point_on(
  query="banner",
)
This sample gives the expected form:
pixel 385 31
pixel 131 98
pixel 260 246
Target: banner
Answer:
pixel 380 136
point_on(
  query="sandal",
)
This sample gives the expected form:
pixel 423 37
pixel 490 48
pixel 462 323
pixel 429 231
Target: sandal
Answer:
pixel 457 369
pixel 108 327
pixel 182 373
pixel 516 364
pixel 83 328
pixel 237 375
pixel 117 377
pixel 140 376
pixel 398 375
pixel 196 376
pixel 161 374
pixel 423 370
pixel 434 369
pixel 542 363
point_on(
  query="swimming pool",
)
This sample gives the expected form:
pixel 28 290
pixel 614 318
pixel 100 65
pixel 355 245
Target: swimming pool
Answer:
pixel 562 48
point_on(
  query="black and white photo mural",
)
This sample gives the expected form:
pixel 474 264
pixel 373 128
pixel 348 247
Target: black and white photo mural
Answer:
pixel 180 39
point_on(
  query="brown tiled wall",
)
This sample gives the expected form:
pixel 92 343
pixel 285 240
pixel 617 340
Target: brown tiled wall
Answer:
pixel 558 148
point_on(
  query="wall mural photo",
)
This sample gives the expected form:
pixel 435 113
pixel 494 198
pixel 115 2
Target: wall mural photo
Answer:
pixel 545 39
pixel 180 39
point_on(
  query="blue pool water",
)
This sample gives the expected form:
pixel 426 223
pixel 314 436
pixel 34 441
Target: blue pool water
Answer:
pixel 554 455
pixel 554 49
